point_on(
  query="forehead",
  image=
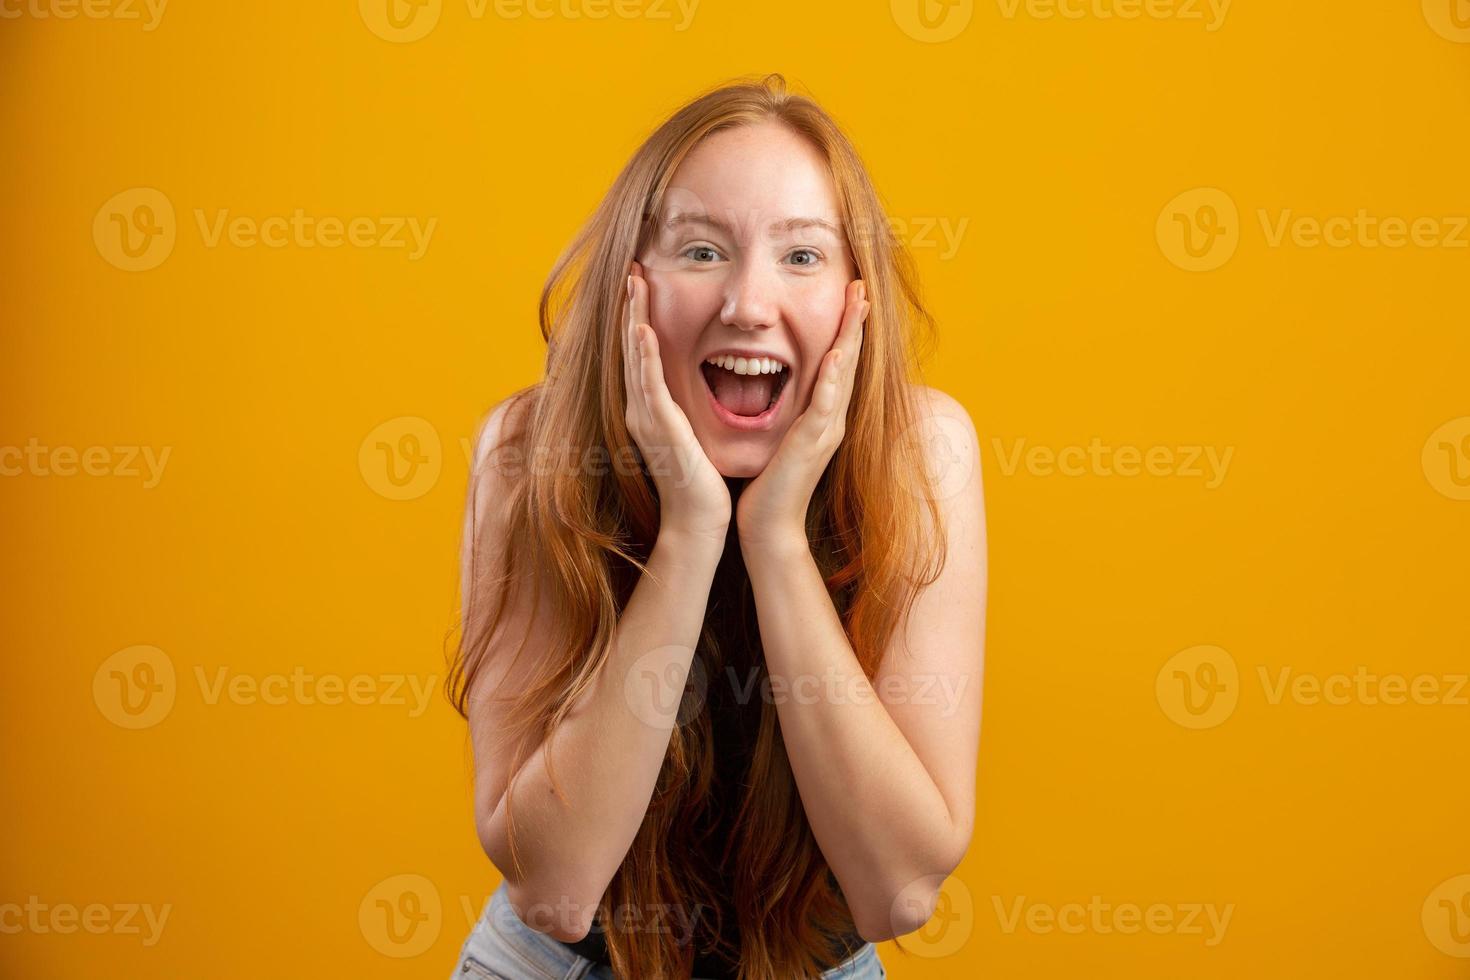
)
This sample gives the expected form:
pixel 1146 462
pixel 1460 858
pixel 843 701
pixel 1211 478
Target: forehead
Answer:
pixel 753 177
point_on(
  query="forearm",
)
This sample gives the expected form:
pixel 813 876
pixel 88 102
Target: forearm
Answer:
pixel 879 818
pixel 609 749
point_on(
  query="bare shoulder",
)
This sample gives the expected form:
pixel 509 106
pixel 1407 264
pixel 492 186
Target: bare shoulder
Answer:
pixel 938 403
pixel 952 446
pixel 500 427
pixel 948 428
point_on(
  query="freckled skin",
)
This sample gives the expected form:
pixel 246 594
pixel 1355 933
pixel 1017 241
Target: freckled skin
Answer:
pixel 758 287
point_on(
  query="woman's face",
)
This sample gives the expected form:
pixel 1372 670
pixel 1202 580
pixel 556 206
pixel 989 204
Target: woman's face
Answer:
pixel 748 257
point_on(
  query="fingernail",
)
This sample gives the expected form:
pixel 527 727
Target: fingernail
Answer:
pixel 630 286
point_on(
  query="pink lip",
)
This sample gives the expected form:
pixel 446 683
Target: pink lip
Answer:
pixel 746 423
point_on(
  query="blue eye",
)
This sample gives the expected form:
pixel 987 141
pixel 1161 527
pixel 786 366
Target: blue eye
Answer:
pixel 700 248
pixel 807 251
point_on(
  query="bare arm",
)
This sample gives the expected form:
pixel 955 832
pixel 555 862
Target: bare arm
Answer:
pixel 608 750
pixel 886 769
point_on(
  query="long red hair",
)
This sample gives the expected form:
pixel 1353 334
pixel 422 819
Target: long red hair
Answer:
pixel 588 535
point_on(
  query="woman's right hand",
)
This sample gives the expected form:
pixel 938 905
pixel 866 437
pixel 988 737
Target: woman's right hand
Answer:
pixel 692 494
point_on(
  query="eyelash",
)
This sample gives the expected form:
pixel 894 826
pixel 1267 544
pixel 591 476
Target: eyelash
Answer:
pixel 710 248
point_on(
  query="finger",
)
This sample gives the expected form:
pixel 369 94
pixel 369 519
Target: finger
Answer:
pixel 829 386
pixel 645 353
pixel 853 349
pixel 630 353
pixel 850 336
pixel 625 334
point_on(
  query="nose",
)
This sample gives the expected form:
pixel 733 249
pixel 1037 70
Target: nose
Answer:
pixel 750 297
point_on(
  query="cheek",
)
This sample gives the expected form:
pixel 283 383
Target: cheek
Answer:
pixel 818 320
pixel 679 307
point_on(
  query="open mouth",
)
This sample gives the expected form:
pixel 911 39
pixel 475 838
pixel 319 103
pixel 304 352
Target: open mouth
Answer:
pixel 744 399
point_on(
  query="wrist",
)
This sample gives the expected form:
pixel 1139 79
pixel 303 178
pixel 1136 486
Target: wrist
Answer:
pixel 707 535
pixel 778 542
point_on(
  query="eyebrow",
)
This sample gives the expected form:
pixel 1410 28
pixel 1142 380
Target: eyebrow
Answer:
pixel 786 224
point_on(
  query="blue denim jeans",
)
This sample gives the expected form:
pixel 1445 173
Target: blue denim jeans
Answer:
pixel 502 947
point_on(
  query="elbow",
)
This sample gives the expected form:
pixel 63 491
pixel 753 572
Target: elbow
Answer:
pixel 907 907
pixel 558 909
pixel 556 913
pixel 906 911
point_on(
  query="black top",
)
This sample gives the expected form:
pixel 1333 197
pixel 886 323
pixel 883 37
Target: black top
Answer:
pixel 734 725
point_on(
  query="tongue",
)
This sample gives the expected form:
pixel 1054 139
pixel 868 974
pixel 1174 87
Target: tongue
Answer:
pixel 743 394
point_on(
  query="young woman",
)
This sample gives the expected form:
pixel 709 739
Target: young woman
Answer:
pixel 724 579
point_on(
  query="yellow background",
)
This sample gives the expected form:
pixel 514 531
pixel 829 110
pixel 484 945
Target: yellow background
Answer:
pixel 1050 147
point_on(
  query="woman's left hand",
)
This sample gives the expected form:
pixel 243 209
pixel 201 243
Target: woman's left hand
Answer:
pixel 772 506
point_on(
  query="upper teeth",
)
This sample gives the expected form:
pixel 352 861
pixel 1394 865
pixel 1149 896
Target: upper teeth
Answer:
pixel 747 365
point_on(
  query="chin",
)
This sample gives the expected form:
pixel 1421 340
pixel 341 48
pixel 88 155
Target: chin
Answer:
pixel 737 465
